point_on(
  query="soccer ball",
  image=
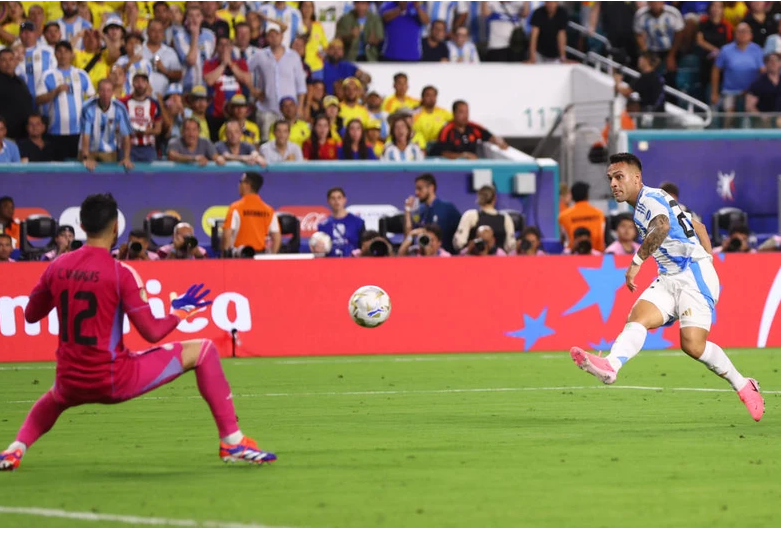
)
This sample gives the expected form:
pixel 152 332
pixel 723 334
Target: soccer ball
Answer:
pixel 369 306
pixel 320 243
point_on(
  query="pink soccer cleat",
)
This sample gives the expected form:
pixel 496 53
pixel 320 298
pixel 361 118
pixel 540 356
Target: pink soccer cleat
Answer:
pixel 595 365
pixel 10 459
pixel 750 395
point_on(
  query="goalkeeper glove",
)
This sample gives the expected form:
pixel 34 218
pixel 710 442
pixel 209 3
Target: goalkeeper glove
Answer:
pixel 190 303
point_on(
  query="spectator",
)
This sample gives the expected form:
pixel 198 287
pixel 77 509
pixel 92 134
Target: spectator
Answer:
pixel 38 58
pixel 424 241
pixel 649 86
pixel 234 15
pixel 714 32
pixel 772 244
pixel 462 49
pixel 298 46
pixel 403 22
pixel 659 29
pixel 344 228
pixel 530 242
pixel 673 191
pixel 407 114
pixel 166 68
pixel 238 110
pixel 314 99
pixel 16 103
pixel 740 63
pixel 737 240
pixel 281 149
pixel 354 145
pixel 431 210
pixel 183 246
pixel 225 77
pixel 484 244
pixel 14 17
pixel 62 243
pixel 626 236
pixel 235 149
pixel 565 197
pixel 761 23
pixel 772 44
pixel 211 22
pixel 400 98
pixel 320 146
pixel 400 147
pixel 193 57
pixel 113 34
pixel 92 57
pixel 35 147
pixel 9 225
pixel 350 108
pixel 764 94
pixel 430 119
pixel 332 112
pixel 257 35
pixel 314 37
pixel 102 119
pixel 548 34
pixel 244 48
pixel 299 129
pixel 583 214
pixel 52 34
pixel 433 47
pixel 616 23
pixel 198 104
pixel 6 248
pixel 9 152
pixel 361 31
pixel 173 113
pixel 486 215
pixel 374 245
pixel 133 61
pixel 734 12
pixel 288 17
pixel 117 79
pixel 373 135
pixel 136 248
pixel 504 22
pixel 165 15
pixel 453 14
pixel 190 148
pixel 459 137
pixel 71 24
pixel 374 104
pixel 277 72
pixel 582 244
pixel 336 69
pixel 145 119
pixel 250 220
pixel 64 90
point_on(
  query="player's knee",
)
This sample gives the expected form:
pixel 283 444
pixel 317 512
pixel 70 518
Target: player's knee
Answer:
pixel 693 347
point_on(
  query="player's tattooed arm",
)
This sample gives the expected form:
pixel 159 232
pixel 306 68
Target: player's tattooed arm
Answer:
pixel 656 233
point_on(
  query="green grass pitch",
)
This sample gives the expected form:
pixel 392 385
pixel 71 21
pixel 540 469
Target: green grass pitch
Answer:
pixel 444 440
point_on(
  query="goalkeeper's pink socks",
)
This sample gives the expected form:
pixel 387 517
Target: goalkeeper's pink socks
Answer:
pixel 213 386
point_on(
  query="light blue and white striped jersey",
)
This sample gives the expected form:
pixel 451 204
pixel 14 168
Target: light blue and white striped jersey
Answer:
pixel 412 152
pixel 245 54
pixel 681 247
pixel 658 31
pixel 66 108
pixel 290 16
pixel 477 27
pixel 142 65
pixel 69 29
pixel 445 11
pixel 467 53
pixel 194 75
pixel 37 60
pixel 103 127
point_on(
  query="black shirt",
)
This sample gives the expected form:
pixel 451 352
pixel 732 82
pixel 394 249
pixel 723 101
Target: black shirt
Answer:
pixel 716 34
pixel 451 139
pixel 548 28
pixel 31 151
pixel 617 21
pixel 767 93
pixel 761 30
pixel 220 28
pixel 436 53
pixel 16 104
pixel 650 88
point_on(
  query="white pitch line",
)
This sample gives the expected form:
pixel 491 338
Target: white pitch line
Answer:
pixel 128 519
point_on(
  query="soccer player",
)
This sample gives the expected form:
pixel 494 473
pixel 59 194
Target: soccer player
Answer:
pixel 92 291
pixel 687 286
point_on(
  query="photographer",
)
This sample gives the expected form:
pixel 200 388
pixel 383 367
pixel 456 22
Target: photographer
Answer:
pixel 530 244
pixel 582 243
pixel 249 220
pixel 431 210
pixel 373 245
pixel 739 235
pixel 62 242
pixel 484 244
pixel 424 241
pixel 136 247
pixel 501 223
pixel 183 245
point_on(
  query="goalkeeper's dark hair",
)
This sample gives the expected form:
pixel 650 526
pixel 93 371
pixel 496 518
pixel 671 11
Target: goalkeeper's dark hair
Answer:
pixel 98 213
pixel 626 157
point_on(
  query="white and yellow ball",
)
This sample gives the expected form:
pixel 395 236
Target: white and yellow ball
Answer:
pixel 369 306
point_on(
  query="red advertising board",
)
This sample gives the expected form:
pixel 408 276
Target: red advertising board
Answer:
pixel 293 308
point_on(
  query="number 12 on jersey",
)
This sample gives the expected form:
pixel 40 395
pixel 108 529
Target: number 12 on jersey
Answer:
pixel 90 311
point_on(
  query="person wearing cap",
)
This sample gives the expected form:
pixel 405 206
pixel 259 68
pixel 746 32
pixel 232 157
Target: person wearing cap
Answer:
pixel 166 67
pixel 194 45
pixel 237 110
pixel 113 35
pixel 321 145
pixel 350 108
pixel 277 72
pixel 14 18
pixel 198 104
pixel 225 77
pixel 332 112
pixel 288 16
pixel 64 90
pixel 299 130
pixel 400 98
pixel 145 118
pixel 400 146
pixel 38 58
pixel 764 94
pixel 62 243
pixel 361 31
pixel 234 149
pixel 336 69
pixel 71 23
pixel 374 138
pixel 374 103
pixel 173 113
pixel 92 57
pixel 429 119
pixel 281 149
pixel 133 61
pixel 104 125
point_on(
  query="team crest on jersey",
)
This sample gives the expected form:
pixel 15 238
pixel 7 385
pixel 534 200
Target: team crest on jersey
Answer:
pixel 726 185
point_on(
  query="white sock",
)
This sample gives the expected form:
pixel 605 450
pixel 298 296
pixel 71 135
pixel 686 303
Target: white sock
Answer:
pixel 717 362
pixel 627 345
pixel 233 439
pixel 17 445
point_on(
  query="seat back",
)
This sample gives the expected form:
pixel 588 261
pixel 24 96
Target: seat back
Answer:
pixel 289 226
pixel 160 225
pixel 391 224
pixel 724 219
pixel 518 218
pixel 36 227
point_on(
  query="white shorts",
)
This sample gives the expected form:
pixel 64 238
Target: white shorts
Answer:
pixel 689 296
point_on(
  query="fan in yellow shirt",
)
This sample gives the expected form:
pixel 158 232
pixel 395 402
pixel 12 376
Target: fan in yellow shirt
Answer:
pixel 428 120
pixel 300 130
pixel 237 110
pixel 316 37
pixel 373 134
pixel 399 99
pixel 233 15
pixel 98 10
pixel 350 108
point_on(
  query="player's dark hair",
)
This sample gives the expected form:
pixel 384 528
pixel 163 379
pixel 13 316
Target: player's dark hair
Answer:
pixel 582 232
pixel 739 228
pixel 400 75
pixel 434 229
pixel 97 213
pixel 63 44
pixel 139 233
pixel 580 191
pixel 670 188
pixel 626 157
pixel 427 88
pixel 6 199
pixel 428 178
pixel 532 230
pixel 255 180
pixel 335 190
pixel 456 104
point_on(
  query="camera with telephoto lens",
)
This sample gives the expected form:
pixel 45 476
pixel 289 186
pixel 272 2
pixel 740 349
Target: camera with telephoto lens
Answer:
pixel 583 247
pixel 525 245
pixel 242 252
pixel 423 241
pixel 479 246
pixel 735 245
pixel 134 249
pixel 190 242
pixel 76 244
pixel 379 248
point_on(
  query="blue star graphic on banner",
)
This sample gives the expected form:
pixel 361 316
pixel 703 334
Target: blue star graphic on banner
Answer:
pixel 656 341
pixel 603 284
pixel 602 345
pixel 533 330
